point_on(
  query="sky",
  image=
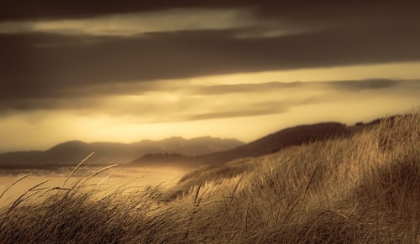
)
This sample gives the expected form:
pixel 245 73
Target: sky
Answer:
pixel 124 71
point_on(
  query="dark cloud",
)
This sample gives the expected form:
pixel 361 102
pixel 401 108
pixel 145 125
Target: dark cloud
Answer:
pixel 303 10
pixel 50 71
pixel 238 113
pixel 347 85
pixel 371 84
pixel 249 103
pixel 244 88
pixel 28 70
pixel 18 106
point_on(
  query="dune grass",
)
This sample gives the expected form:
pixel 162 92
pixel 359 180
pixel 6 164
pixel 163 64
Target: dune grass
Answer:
pixel 363 189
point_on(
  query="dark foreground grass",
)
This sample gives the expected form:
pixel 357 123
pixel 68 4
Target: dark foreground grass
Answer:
pixel 364 189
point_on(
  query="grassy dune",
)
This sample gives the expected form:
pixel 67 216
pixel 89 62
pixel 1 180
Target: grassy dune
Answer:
pixel 363 189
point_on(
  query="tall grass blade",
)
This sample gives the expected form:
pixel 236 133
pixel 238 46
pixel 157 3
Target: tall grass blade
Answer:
pixel 77 167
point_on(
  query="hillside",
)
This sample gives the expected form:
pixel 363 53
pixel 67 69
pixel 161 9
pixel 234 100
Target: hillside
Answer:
pixel 293 136
pixel 72 152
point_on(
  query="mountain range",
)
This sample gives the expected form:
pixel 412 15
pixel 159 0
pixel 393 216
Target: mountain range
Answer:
pixel 72 152
pixel 293 136
pixel 179 152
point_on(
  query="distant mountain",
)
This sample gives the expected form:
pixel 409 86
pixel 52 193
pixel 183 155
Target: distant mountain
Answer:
pixel 176 151
pixel 72 152
pixel 192 147
pixel 269 144
pixel 165 160
pixel 293 136
pixel 272 143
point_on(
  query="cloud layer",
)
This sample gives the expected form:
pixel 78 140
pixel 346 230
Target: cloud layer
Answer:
pixel 162 102
pixel 138 23
pixel 74 49
pixel 42 65
pixel 168 65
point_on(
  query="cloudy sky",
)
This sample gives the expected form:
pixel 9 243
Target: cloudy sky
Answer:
pixel 132 70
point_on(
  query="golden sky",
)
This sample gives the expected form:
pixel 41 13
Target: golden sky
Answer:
pixel 126 72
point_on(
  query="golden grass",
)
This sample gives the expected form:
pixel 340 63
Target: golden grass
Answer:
pixel 363 189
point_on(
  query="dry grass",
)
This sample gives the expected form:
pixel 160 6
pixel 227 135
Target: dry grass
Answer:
pixel 364 189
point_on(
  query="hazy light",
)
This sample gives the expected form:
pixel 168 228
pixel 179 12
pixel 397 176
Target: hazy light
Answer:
pixel 407 70
pixel 133 24
pixel 163 21
pixel 185 108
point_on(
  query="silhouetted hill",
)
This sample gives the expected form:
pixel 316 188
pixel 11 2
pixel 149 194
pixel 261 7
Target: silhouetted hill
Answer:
pixel 269 144
pixel 192 147
pixel 176 151
pixel 165 160
pixel 275 142
pixel 72 152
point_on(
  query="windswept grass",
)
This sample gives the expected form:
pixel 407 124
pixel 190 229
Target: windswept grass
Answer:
pixel 363 189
